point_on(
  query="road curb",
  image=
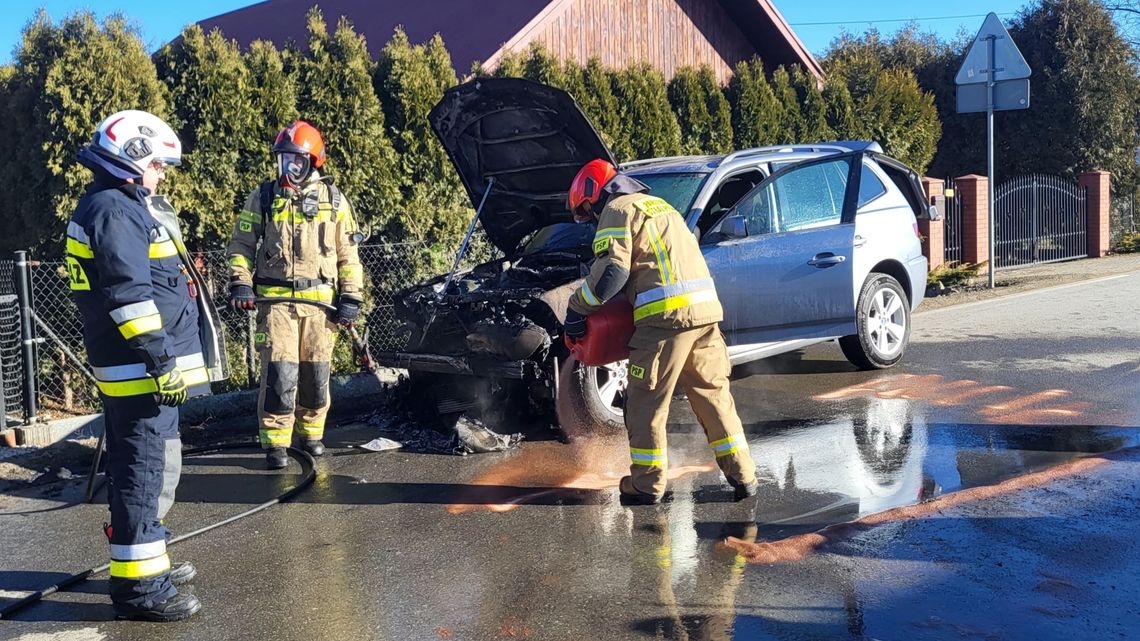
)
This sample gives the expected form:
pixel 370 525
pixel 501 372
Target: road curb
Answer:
pixel 1001 298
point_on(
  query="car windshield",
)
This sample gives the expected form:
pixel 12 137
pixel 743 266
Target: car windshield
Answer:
pixel 677 189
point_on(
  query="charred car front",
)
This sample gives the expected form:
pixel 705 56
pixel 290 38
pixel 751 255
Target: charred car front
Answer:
pixel 492 336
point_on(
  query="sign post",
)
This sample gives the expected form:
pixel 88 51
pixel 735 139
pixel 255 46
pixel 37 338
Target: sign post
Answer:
pixel 994 77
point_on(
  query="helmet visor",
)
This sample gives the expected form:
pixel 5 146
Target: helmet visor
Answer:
pixel 294 167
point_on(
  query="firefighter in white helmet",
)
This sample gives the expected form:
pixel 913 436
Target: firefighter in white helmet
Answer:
pixel 140 328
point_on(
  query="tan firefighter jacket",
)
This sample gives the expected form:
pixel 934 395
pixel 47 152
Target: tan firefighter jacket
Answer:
pixel 311 257
pixel 668 281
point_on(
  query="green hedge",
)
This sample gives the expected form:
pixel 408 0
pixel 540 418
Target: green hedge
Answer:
pixel 227 105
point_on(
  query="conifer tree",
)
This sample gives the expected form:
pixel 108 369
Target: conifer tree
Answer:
pixel 337 97
pixel 650 127
pixel 67 77
pixel 756 114
pixel 210 93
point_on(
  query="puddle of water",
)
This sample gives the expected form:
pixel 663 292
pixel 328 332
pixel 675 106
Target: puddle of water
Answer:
pixel 878 454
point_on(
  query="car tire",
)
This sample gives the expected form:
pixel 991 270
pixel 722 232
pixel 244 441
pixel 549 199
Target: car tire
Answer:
pixel 591 400
pixel 882 323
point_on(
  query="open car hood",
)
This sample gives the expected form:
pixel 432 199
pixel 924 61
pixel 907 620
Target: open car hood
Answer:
pixel 531 138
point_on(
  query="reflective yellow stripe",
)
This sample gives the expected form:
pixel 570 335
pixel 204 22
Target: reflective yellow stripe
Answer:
pixel 673 302
pixel 612 232
pixel 277 437
pixel 140 386
pixel 663 265
pixel 247 216
pixel 140 569
pixel 141 325
pixel 588 295
pixel 78 249
pixel 164 249
pixel 729 445
pixel 351 271
pixel 314 429
pixel 237 260
pixel 323 294
pixel 647 457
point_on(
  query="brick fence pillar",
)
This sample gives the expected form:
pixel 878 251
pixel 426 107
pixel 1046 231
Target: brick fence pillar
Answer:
pixel 973 190
pixel 934 231
pixel 1098 184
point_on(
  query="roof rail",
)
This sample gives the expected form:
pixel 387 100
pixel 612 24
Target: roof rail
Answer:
pixel 841 146
pixel 646 161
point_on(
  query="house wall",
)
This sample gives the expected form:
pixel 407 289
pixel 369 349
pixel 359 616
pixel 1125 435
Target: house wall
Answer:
pixel 668 34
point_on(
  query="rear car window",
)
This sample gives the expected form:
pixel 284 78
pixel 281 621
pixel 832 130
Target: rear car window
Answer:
pixel 870 187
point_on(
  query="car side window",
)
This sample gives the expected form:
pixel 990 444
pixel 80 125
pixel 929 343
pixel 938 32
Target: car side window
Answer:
pixel 870 187
pixel 805 197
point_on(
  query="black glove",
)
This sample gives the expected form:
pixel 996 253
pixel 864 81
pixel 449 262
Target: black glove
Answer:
pixel 575 325
pixel 347 310
pixel 171 388
pixel 241 296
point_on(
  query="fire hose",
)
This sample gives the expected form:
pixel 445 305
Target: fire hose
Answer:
pixel 308 465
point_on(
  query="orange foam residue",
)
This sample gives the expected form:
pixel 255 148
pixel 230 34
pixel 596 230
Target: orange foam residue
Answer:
pixel 1039 407
pixel 798 547
pixel 585 464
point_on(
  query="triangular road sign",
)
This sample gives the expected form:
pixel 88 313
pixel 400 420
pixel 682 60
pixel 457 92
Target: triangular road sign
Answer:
pixel 1009 64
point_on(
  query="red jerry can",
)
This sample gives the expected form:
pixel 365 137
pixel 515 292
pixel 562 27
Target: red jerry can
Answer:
pixel 608 331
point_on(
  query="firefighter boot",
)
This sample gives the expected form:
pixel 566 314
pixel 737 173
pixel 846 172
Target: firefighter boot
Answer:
pixel 176 608
pixel 741 491
pixel 276 458
pixel 182 573
pixel 313 446
pixel 629 495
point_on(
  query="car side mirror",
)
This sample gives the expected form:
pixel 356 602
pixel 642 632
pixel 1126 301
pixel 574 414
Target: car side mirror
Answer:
pixel 733 226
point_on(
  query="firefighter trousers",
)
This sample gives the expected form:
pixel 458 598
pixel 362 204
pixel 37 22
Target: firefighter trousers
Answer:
pixel 295 343
pixel 696 358
pixel 144 462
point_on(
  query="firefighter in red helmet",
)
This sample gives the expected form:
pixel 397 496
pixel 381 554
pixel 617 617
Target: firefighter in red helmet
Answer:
pixel 646 252
pixel 308 239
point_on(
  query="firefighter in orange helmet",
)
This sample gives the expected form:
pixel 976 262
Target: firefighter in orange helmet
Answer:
pixel 296 238
pixel 645 251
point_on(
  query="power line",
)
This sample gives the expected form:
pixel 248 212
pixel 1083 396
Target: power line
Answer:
pixel 853 21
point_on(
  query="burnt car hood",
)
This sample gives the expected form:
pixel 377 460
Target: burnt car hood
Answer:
pixel 531 138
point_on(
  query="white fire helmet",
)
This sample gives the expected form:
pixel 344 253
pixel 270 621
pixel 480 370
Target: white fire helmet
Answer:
pixel 127 142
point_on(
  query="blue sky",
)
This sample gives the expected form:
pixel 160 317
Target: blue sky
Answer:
pixel 161 21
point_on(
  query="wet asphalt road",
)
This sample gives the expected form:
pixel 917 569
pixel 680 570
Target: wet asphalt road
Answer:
pixel 533 544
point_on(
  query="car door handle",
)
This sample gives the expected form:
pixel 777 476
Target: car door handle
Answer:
pixel 860 241
pixel 826 260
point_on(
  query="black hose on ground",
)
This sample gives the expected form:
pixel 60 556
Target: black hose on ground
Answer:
pixel 308 464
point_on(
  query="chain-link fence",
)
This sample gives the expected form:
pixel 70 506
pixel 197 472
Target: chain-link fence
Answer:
pixel 11 372
pixel 63 387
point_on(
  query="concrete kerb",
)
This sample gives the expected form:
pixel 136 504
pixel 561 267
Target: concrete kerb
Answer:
pixel 351 394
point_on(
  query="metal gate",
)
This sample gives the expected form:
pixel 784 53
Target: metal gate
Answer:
pixel 1039 219
pixel 952 226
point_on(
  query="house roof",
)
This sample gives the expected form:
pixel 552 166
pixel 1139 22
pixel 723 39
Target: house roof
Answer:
pixel 473 30
pixel 479 30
